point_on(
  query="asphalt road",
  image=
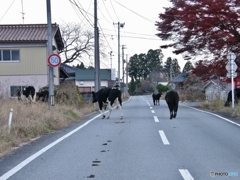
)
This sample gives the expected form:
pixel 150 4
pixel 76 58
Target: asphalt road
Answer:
pixel 144 145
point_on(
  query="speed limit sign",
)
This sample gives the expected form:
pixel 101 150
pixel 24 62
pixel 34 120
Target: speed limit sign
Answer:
pixel 54 60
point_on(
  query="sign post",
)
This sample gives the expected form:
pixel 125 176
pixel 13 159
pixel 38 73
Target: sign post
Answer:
pixel 231 68
pixel 54 60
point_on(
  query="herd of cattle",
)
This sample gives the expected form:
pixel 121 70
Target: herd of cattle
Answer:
pixel 106 97
pixel 29 94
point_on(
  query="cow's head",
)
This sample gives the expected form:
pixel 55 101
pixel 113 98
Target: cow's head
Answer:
pixel 94 97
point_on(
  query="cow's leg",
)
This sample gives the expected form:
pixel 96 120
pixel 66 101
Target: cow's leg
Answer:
pixel 175 111
pixel 110 103
pixel 31 98
pixel 100 109
pixel 171 114
pixel 119 100
pixel 170 109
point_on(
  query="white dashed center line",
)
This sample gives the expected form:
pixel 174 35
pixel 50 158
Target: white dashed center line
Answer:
pixel 185 174
pixel 155 118
pixel 163 137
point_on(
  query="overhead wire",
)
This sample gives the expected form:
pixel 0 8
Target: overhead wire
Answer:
pixel 80 10
pixel 134 12
pixel 7 10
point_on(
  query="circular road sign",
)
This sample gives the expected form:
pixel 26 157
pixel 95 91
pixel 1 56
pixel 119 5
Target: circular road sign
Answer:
pixel 54 60
pixel 231 56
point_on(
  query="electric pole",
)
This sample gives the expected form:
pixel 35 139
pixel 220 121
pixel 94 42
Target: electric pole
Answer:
pixel 123 61
pixel 126 73
pixel 119 25
pixel 50 68
pixel 97 83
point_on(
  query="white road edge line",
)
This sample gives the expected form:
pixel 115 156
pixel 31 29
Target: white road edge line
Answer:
pixel 185 174
pixel 163 137
pixel 225 119
pixel 34 156
pixel 155 118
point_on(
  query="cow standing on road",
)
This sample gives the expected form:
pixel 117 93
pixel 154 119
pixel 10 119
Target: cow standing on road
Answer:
pixel 156 98
pixel 172 100
pixel 107 96
pixel 28 93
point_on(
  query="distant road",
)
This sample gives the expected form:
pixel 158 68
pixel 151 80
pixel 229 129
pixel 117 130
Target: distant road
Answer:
pixel 145 145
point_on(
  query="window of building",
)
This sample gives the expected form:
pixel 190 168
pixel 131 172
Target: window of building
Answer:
pixel 14 90
pixel 9 55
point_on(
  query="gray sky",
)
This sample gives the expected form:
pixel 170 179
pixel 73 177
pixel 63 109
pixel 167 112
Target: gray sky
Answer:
pixel 139 16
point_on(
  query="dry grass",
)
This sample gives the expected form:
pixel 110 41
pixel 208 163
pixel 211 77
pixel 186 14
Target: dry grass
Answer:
pixel 218 106
pixel 30 121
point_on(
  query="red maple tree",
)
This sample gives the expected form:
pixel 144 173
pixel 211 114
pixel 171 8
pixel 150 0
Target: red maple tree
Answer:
pixel 202 27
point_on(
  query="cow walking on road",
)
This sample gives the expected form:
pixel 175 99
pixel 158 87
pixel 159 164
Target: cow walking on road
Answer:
pixel 107 96
pixel 172 100
pixel 156 98
pixel 28 93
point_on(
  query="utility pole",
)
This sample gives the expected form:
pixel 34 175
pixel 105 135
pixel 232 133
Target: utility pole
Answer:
pixel 112 72
pixel 123 61
pixel 97 83
pixel 126 73
pixel 50 75
pixel 119 25
pixel 111 55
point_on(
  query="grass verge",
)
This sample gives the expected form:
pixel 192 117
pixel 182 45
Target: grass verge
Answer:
pixel 30 121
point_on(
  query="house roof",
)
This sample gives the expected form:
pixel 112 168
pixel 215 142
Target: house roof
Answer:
pixel 68 69
pixel 179 78
pixel 88 74
pixel 18 33
pixel 208 84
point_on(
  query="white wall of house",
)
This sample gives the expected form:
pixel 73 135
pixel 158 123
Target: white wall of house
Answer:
pixel 89 85
pixel 37 81
pixel 214 92
pixel 32 69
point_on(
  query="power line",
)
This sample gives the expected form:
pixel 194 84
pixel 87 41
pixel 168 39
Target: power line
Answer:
pixel 7 10
pixel 135 12
pixel 107 11
pixel 114 9
pixel 80 10
pixel 136 37
pixel 126 32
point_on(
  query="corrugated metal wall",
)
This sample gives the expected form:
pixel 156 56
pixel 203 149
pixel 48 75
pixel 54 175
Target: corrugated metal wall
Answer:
pixel 33 61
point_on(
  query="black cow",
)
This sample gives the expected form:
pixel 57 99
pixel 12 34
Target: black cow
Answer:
pixel 236 97
pixel 172 100
pixel 42 95
pixel 156 98
pixel 28 93
pixel 107 96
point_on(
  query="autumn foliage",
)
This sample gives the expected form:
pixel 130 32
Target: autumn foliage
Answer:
pixel 209 28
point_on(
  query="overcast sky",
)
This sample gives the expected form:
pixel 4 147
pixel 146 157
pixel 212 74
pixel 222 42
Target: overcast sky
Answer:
pixel 139 16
